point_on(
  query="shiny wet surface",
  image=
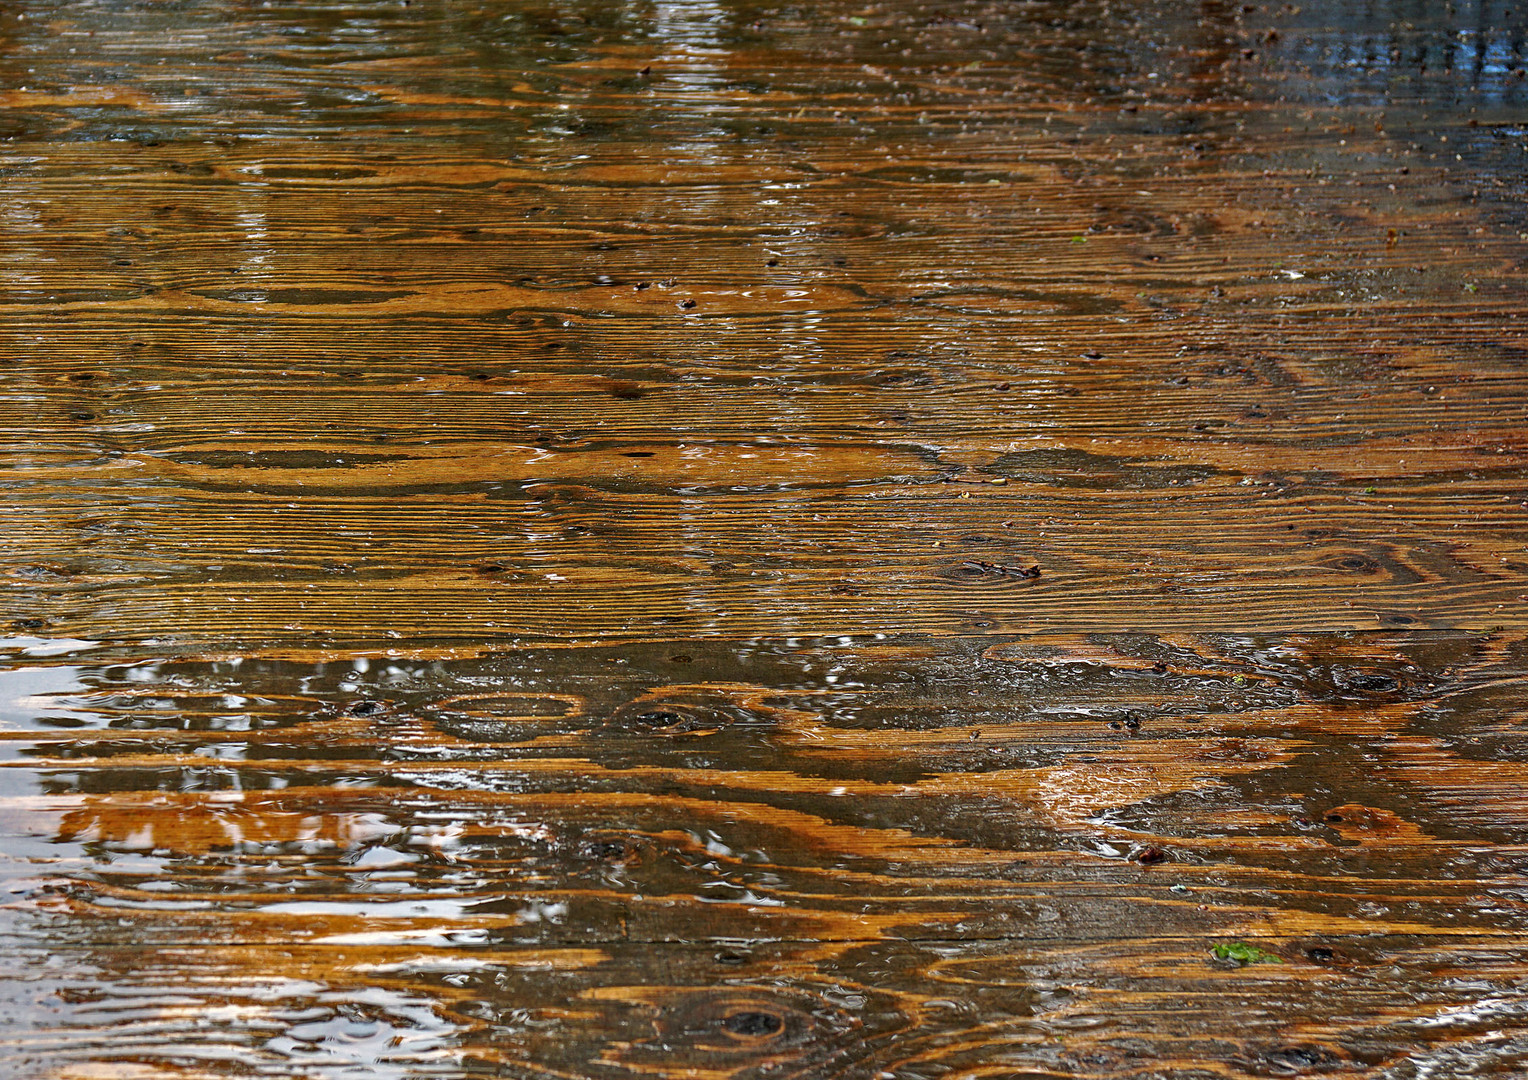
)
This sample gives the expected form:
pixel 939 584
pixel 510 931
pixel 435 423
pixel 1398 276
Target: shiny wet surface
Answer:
pixel 697 539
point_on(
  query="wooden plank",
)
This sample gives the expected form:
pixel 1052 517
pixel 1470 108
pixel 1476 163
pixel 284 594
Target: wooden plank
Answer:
pixel 1371 1006
pixel 1265 375
pixel 1054 787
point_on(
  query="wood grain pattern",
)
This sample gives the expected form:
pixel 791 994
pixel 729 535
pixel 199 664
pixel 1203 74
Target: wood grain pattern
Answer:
pixel 986 1008
pixel 979 856
pixel 590 320
pixel 737 540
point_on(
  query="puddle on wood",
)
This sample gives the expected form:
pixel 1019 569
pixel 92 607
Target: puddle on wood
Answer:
pixel 577 540
pixel 460 860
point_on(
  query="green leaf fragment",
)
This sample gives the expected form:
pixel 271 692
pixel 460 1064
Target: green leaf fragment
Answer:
pixel 1243 953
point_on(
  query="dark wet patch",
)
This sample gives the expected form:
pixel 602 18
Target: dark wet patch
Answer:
pixel 1080 469
pixel 280 459
pixel 306 297
pixel 977 568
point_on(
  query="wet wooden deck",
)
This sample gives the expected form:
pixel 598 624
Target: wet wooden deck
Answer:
pixel 633 541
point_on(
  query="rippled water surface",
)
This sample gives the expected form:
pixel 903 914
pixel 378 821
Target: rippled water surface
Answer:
pixel 902 541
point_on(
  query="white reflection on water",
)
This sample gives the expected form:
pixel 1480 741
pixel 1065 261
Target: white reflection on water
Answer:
pixel 37 646
pixel 269 1025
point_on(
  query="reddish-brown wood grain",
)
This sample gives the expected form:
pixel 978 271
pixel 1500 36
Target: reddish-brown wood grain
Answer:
pixel 904 541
